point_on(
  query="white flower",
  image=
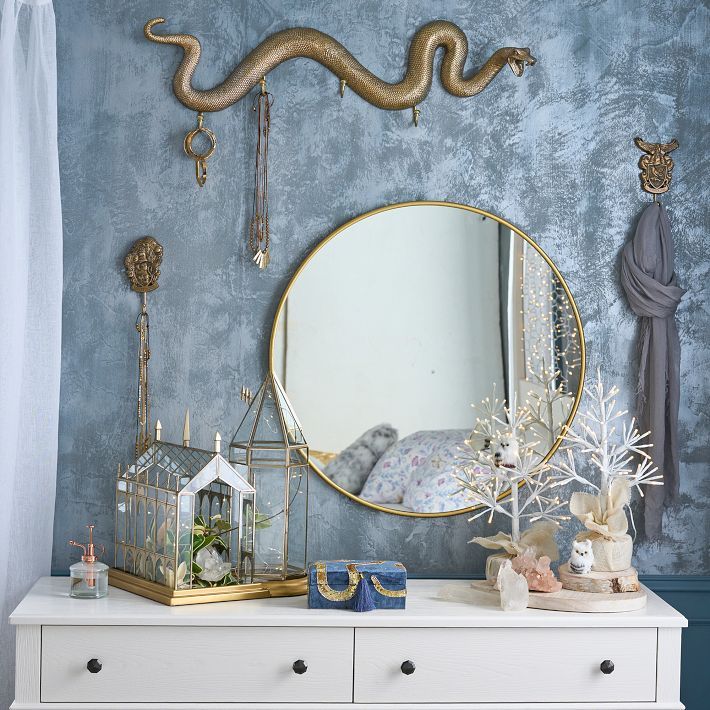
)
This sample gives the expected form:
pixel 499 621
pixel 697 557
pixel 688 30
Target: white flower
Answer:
pixel 213 567
pixel 181 574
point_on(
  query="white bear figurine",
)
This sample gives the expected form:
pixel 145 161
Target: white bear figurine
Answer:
pixel 582 557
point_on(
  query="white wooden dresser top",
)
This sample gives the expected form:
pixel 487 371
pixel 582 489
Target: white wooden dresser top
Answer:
pixel 48 603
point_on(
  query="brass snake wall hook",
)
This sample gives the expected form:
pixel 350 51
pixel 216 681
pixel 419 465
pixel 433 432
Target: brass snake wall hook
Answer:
pixel 312 44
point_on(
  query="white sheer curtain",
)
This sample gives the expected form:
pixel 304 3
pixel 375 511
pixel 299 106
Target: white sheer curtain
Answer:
pixel 30 306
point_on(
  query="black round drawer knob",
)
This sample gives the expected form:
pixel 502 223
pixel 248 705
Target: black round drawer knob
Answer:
pixel 299 667
pixel 607 667
pixel 94 665
pixel 408 667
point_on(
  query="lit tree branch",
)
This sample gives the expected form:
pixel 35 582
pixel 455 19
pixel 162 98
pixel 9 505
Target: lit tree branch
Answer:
pixel 486 475
pixel 613 454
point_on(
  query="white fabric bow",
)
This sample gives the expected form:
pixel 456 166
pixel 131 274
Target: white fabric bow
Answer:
pixel 539 537
pixel 612 524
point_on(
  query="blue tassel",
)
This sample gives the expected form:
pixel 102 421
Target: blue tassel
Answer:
pixel 363 601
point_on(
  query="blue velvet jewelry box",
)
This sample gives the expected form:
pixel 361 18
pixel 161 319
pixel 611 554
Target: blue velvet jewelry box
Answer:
pixel 357 584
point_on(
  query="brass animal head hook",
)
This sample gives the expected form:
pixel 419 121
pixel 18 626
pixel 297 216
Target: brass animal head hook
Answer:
pixel 200 158
pixel 343 84
pixel 415 116
pixel 656 166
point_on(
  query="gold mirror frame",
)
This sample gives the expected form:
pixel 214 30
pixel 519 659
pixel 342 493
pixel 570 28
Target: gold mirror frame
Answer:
pixel 475 210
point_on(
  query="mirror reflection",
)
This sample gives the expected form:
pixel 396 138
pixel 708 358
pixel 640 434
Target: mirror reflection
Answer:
pixel 402 320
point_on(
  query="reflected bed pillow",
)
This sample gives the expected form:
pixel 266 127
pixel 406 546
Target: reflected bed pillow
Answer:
pixel 351 467
pixel 433 487
pixel 391 475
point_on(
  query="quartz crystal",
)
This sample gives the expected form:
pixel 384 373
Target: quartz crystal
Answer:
pixel 513 588
pixel 537 572
pixel 213 566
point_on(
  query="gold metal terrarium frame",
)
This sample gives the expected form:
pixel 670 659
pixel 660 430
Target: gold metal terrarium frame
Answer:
pixel 179 597
pixel 184 471
pixel 484 213
pixel 237 592
pixel 269 441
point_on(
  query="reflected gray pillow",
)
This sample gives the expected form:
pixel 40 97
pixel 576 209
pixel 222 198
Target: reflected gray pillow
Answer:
pixel 393 472
pixel 351 467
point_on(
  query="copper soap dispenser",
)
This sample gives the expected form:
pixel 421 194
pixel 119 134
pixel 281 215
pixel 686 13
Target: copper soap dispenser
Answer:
pixel 89 578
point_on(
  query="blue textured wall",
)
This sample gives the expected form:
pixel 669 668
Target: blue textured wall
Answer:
pixel 552 152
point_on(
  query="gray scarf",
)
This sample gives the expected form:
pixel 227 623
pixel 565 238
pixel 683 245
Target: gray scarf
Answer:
pixel 650 283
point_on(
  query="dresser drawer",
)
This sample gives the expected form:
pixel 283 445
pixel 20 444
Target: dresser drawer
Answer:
pixel 523 665
pixel 165 664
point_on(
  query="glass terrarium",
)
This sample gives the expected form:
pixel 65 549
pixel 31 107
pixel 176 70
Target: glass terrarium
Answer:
pixel 184 526
pixel 270 443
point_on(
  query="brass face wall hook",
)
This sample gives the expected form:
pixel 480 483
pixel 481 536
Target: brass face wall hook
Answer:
pixel 656 166
pixel 343 84
pixel 200 158
pixel 142 264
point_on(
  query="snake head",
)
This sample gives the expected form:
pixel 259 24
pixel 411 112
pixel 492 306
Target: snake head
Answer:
pixel 519 58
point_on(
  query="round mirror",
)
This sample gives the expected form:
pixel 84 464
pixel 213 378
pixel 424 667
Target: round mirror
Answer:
pixel 401 320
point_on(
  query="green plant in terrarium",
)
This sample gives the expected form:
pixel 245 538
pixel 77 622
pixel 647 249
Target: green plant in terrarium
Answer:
pixel 262 521
pixel 209 549
pixel 209 568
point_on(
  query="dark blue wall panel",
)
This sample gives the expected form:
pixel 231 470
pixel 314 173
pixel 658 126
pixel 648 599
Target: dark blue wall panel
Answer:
pixel 691 597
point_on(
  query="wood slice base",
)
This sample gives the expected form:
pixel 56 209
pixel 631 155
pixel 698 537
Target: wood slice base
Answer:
pixel 568 600
pixel 626 580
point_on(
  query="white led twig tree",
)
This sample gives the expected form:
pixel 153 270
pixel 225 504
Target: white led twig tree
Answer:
pixel 498 461
pixel 616 461
pixel 614 454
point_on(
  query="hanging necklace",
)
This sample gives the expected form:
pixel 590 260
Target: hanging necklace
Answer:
pixel 259 239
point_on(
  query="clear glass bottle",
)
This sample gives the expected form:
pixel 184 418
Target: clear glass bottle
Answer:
pixel 89 578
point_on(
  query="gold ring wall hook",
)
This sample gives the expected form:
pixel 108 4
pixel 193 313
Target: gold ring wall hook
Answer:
pixel 200 158
pixel 320 47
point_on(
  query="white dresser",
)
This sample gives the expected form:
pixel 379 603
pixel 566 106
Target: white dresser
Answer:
pixel 125 652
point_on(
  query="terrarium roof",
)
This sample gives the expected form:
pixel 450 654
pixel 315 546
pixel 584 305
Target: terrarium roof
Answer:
pixel 270 420
pixel 184 468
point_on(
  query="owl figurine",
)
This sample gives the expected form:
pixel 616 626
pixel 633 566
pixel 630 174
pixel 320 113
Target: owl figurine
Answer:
pixel 506 451
pixel 582 557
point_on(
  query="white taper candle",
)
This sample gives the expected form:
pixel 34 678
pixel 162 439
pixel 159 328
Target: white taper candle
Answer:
pixel 186 429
